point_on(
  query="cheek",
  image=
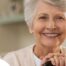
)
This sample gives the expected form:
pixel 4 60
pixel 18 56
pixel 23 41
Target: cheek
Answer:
pixel 63 30
pixel 38 27
pixel 62 27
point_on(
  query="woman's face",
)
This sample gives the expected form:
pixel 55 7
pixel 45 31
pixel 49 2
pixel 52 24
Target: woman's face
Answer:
pixel 49 25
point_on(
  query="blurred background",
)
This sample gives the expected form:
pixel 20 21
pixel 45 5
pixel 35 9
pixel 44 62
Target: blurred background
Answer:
pixel 14 34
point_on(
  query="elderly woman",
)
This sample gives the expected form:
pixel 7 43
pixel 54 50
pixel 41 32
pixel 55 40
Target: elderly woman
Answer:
pixel 46 20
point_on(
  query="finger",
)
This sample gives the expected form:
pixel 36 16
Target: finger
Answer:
pixel 62 61
pixel 62 54
pixel 56 61
pixel 52 61
pixel 46 58
pixel 65 60
pixel 50 55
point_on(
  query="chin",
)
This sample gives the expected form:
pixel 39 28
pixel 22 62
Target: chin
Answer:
pixel 50 46
pixel 50 43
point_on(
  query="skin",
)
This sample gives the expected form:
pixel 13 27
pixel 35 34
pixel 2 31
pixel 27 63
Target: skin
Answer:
pixel 49 31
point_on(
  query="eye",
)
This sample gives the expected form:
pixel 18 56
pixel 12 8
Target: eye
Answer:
pixel 43 17
pixel 60 18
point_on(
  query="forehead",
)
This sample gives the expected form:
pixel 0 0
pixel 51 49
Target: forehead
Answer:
pixel 43 7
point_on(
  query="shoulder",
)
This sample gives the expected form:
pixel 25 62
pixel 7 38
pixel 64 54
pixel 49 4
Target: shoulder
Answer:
pixel 3 63
pixel 13 58
pixel 24 51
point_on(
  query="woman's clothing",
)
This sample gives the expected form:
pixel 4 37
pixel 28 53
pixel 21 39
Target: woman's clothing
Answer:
pixel 23 57
pixel 37 60
pixel 3 63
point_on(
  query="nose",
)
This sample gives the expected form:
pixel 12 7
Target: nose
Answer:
pixel 51 25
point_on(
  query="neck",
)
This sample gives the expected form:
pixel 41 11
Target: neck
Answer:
pixel 41 51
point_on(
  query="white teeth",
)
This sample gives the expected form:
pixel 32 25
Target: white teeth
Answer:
pixel 50 35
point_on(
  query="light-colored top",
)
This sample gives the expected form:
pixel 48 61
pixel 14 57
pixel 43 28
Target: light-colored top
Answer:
pixel 3 63
pixel 37 60
pixel 23 57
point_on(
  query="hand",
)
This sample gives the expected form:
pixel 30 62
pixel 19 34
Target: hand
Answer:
pixel 46 58
pixel 56 59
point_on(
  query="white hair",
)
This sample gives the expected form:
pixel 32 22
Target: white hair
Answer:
pixel 29 8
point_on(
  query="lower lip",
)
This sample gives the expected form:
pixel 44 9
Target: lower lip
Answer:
pixel 51 35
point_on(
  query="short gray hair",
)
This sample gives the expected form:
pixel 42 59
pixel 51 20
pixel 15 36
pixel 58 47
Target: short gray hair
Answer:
pixel 29 7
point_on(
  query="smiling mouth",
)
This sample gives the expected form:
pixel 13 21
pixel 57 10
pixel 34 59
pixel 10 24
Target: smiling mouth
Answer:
pixel 52 35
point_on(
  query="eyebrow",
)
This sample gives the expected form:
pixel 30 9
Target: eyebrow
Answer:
pixel 43 14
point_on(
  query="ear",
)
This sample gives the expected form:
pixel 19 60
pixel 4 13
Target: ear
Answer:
pixel 30 29
pixel 30 26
